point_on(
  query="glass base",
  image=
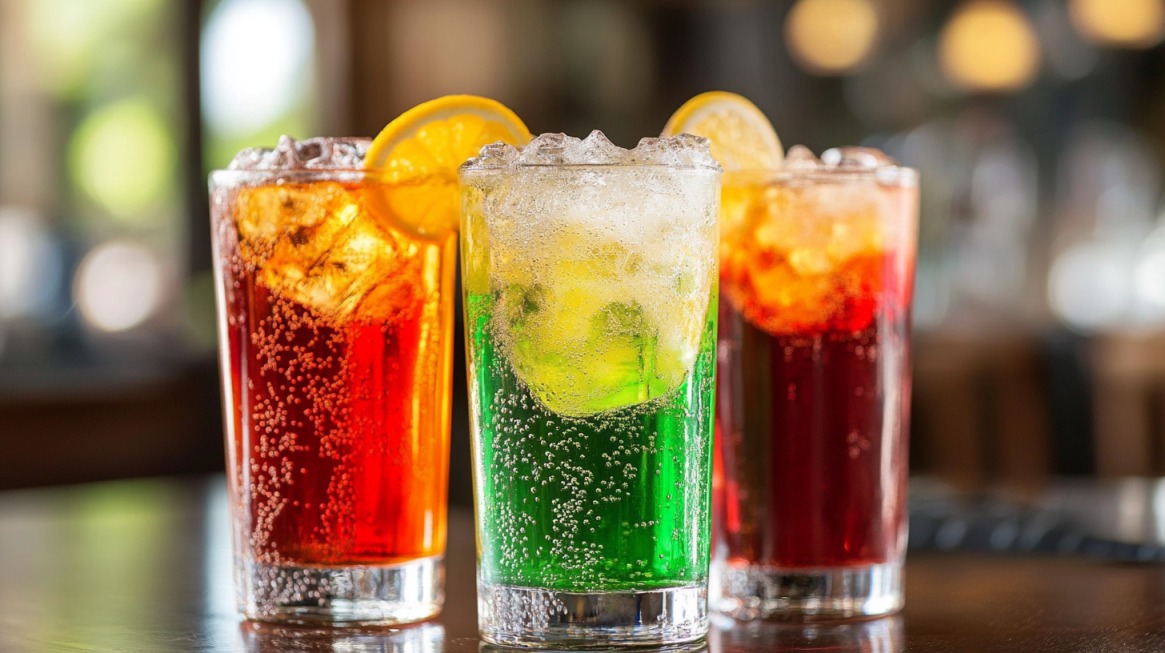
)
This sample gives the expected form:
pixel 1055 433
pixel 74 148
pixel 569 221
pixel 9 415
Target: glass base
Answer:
pixel 542 618
pixel 753 592
pixel 339 596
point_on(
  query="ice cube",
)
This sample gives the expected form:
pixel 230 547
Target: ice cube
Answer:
pixel 857 157
pixel 680 150
pixel 651 150
pixel 313 153
pixel 801 158
pixel 807 261
pixel 560 149
pixel 547 149
pixel 336 152
pixel 283 155
pixel 497 154
pixel 316 245
pixel 595 149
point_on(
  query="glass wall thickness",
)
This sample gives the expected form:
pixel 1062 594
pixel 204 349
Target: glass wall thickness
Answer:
pixel 336 364
pixel 814 391
pixel 591 296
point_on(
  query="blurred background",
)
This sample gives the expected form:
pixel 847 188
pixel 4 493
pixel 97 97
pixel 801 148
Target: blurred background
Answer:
pixel 1038 126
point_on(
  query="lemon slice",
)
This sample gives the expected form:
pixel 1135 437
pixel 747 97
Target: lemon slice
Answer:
pixel 418 155
pixel 742 138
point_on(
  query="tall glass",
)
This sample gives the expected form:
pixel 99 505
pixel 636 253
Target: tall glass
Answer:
pixel 590 292
pixel 816 266
pixel 336 362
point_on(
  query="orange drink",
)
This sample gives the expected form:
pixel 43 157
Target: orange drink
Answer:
pixel 335 277
pixel 337 356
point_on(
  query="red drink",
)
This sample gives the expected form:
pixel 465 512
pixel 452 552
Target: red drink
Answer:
pixel 335 472
pixel 811 462
pixel 336 334
pixel 813 390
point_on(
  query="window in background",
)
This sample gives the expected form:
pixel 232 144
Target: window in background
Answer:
pixel 103 263
pixel 91 213
pixel 106 297
pixel 258 75
pixel 96 208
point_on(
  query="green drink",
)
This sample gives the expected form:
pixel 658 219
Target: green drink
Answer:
pixel 590 294
pixel 616 504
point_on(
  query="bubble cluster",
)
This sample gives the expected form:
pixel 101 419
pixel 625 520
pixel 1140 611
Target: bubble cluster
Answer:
pixel 534 617
pixel 614 500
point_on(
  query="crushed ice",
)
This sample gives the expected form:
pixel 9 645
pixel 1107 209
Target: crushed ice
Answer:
pixel 800 157
pixel 559 149
pixel 864 158
pixel 311 153
pixel 497 154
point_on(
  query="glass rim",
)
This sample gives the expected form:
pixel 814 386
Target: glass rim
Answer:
pixel 889 175
pixel 228 176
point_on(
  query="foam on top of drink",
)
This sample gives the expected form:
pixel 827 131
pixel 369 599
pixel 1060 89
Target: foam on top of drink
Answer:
pixel 310 154
pixel 684 150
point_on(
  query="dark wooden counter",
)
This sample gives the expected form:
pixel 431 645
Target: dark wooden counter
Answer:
pixel 145 566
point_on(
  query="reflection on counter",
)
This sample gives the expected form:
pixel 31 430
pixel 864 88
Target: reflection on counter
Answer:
pixel 695 647
pixel 272 638
pixel 1129 511
pixel 877 636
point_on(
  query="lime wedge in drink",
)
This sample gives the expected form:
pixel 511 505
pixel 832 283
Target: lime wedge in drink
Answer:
pixel 606 328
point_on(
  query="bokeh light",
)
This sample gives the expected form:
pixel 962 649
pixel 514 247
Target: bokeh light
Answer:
pixel 1089 286
pixel 988 45
pixel 256 62
pixel 118 286
pixel 123 156
pixel 1149 279
pixel 1121 23
pixel 31 264
pixel 69 34
pixel 831 36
